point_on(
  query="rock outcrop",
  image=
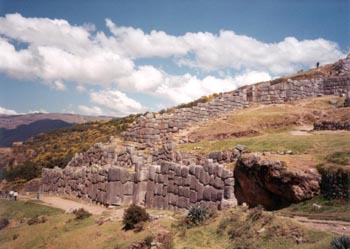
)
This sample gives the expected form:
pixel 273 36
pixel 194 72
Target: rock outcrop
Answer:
pixel 269 183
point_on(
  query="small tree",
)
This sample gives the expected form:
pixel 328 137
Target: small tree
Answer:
pixel 133 215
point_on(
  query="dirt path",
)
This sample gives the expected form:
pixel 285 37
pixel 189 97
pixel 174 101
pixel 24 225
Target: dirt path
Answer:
pixel 302 131
pixel 70 205
pixel 334 226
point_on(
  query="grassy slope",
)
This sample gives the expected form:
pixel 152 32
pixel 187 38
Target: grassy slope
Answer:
pixel 268 231
pixel 330 209
pixel 274 124
pixel 62 231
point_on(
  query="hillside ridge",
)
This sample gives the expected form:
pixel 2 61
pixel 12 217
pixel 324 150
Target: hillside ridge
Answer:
pixel 157 128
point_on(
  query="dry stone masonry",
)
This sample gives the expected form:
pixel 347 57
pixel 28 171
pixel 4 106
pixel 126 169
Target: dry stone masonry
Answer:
pixel 332 125
pixel 166 179
pixel 156 128
pixel 161 177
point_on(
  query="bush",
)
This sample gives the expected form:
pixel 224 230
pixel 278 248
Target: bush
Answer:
pixel 3 223
pixel 81 214
pixel 197 215
pixel 342 242
pixel 133 215
pixel 36 220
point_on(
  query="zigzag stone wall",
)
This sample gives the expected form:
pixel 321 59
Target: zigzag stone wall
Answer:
pixel 151 128
pixel 171 181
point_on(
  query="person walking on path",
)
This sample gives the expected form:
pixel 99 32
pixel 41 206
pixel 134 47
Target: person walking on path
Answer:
pixel 11 195
pixel 15 194
pixel 37 195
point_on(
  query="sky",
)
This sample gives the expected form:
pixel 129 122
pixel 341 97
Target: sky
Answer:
pixel 124 57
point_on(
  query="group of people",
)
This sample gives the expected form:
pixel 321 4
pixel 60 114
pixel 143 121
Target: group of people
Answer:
pixel 12 195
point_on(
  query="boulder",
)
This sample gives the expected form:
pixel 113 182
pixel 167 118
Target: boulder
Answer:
pixel 269 183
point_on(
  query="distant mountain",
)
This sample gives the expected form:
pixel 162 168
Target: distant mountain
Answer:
pixel 18 128
pixel 23 132
pixel 13 121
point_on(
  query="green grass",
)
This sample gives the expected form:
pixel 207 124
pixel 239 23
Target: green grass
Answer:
pixel 317 143
pixel 25 209
pixel 61 230
pixel 330 209
pixel 340 157
pixel 277 232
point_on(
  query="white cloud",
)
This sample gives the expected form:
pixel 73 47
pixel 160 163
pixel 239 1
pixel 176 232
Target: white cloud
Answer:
pixel 80 88
pixel 116 102
pixel 59 85
pixel 7 111
pixel 181 89
pixel 58 51
pixel 230 50
pixel 41 110
pixel 135 43
pixel 93 111
pixel 55 51
pixel 226 50
pixel 144 79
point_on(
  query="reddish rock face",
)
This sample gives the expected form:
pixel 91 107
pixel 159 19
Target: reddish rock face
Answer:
pixel 270 183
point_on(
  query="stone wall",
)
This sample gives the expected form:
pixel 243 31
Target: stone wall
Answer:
pixel 104 155
pixel 155 128
pixel 335 183
pixel 166 179
pixel 332 125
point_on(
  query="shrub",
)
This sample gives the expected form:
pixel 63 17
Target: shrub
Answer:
pixel 133 215
pixel 81 214
pixel 36 220
pixel 197 215
pixel 342 242
pixel 3 223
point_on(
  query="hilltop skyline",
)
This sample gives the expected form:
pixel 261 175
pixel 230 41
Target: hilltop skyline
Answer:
pixel 122 58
